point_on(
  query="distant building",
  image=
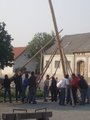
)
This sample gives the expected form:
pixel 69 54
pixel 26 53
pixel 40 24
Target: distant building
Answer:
pixel 77 50
pixel 20 58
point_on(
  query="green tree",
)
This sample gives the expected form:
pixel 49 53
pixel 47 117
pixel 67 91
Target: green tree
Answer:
pixel 39 40
pixel 6 49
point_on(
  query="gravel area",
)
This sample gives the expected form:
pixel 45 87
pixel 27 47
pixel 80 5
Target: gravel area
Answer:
pixel 59 112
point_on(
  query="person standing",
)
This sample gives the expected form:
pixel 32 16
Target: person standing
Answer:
pixel 74 87
pixel 83 86
pixel 24 87
pixel 18 85
pixel 7 89
pixel 46 88
pixel 63 85
pixel 32 88
pixel 68 93
pixel 53 89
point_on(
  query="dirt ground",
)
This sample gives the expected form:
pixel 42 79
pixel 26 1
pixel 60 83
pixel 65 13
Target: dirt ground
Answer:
pixel 59 112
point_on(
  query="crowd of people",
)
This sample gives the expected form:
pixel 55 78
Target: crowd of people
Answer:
pixel 71 90
pixel 22 83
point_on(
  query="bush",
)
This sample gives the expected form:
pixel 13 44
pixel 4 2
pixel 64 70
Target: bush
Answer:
pixel 39 93
pixel 1 93
pixel 13 92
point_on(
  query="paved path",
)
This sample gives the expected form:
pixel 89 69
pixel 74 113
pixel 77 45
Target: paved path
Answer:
pixel 59 112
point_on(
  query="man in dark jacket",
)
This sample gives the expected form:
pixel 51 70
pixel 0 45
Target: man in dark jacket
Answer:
pixel 24 87
pixel 53 89
pixel 32 88
pixel 83 89
pixel 18 85
pixel 7 89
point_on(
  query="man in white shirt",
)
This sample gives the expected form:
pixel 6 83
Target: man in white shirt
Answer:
pixel 63 85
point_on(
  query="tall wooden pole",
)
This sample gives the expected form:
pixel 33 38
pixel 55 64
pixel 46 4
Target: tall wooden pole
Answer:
pixel 58 38
pixel 41 61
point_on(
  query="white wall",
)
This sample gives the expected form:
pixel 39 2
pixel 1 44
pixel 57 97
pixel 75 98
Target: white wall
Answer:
pixel 22 59
pixel 51 69
pixel 8 71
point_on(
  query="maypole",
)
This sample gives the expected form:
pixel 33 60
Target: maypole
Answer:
pixel 62 54
pixel 58 39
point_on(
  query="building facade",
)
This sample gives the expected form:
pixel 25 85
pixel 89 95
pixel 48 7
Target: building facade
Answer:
pixel 77 51
pixel 20 58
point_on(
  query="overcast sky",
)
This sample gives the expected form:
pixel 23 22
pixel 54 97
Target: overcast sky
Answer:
pixel 24 18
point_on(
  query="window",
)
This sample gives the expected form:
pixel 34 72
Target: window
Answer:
pixel 57 64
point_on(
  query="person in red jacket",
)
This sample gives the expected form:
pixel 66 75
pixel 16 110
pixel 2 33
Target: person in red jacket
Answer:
pixel 74 86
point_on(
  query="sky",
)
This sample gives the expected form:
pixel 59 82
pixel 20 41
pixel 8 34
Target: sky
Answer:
pixel 25 18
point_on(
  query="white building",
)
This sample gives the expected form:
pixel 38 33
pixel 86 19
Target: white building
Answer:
pixel 77 50
pixel 20 58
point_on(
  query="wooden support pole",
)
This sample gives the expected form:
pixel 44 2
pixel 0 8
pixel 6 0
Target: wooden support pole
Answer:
pixel 58 38
pixel 47 65
pixel 62 54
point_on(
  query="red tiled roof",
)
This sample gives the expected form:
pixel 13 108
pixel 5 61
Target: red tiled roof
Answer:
pixel 18 51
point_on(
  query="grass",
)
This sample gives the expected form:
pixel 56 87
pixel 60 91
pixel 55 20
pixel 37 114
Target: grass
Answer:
pixel 39 94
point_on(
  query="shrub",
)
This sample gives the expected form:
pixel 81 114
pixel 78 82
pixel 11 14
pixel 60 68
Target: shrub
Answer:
pixel 39 93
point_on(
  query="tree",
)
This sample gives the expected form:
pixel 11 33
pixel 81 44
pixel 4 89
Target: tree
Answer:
pixel 6 49
pixel 39 40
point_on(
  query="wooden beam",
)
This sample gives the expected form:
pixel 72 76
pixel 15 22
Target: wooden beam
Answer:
pixel 20 116
pixel 40 50
pixel 47 65
pixel 58 38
